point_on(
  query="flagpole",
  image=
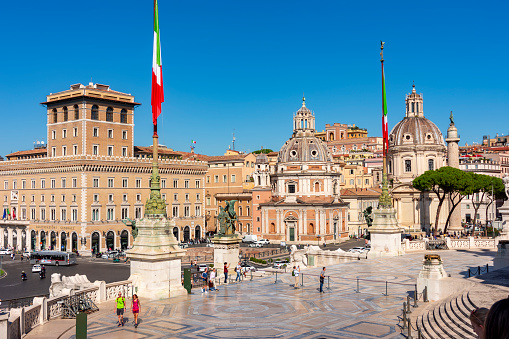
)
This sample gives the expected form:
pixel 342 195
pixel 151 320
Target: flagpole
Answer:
pixel 385 200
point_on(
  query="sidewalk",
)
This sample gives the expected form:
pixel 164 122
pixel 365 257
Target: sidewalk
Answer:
pixel 264 309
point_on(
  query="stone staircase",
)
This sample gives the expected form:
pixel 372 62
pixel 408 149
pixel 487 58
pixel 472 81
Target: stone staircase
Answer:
pixel 449 319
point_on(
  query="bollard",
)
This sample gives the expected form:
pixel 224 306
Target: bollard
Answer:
pixel 478 270
pixel 81 326
pixel 328 282
pixel 409 335
pixel 302 279
pixel 357 286
pixel 404 315
pixel 408 304
pixel 425 294
pixel 386 294
pixel 419 334
pixel 275 282
pixel 415 296
pixel 251 271
pixel 487 268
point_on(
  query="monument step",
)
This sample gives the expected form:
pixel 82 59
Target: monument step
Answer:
pixel 456 317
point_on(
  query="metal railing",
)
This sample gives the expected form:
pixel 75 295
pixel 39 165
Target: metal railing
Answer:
pixel 406 327
pixel 20 302
pixel 478 271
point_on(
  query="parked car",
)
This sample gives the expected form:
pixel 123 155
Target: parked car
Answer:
pixel 264 241
pixel 105 256
pixel 36 268
pixel 250 238
pixel 209 245
pixel 183 245
pixel 280 264
pixel 5 252
pixel 202 267
pixel 357 250
pixel 246 267
pixel 255 244
pixel 26 254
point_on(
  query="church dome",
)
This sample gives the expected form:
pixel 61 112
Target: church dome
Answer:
pixel 415 131
pixel 303 149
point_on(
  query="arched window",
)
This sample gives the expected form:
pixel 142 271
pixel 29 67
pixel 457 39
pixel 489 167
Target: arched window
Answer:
pixel 311 228
pixel 76 112
pixel 123 116
pixel 247 211
pixel 109 114
pixel 317 187
pixel 408 166
pixel 66 114
pixel 272 228
pixel 240 210
pixel 331 137
pixel 55 118
pixel 431 164
pixel 95 113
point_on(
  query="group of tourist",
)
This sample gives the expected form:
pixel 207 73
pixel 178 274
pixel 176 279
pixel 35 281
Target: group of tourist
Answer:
pixel 120 308
pixel 296 273
pixel 491 323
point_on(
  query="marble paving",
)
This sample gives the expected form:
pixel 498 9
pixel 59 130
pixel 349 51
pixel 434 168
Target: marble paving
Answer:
pixel 264 309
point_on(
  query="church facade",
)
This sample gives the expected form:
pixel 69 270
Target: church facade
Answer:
pixel 304 203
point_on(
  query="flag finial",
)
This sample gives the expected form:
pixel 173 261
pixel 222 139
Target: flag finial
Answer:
pixel 303 100
pixel 382 51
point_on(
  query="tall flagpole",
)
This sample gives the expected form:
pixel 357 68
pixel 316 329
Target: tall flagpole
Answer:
pixel 385 199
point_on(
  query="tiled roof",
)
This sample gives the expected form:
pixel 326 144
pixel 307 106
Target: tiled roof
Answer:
pixel 161 151
pixel 28 152
pixel 366 192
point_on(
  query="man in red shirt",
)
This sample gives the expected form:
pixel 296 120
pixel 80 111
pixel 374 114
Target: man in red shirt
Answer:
pixel 226 267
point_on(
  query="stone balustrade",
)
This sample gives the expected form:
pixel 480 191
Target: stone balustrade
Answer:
pixel 452 244
pixel 20 321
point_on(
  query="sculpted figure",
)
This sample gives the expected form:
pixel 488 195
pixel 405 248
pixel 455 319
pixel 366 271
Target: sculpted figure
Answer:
pixel 505 180
pixel 298 257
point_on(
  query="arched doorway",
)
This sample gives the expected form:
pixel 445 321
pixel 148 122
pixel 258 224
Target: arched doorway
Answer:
pixel 63 242
pixel 15 239
pixel 176 233
pixel 124 240
pixel 6 239
pixel 53 240
pixel 33 240
pixel 197 232
pixel 110 241
pixel 186 233
pixel 95 242
pixel 43 240
pixel 74 242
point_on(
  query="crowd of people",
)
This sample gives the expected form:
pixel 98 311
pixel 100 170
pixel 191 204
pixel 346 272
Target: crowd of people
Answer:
pixel 491 323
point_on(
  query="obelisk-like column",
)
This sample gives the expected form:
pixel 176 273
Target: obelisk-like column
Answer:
pixel 453 160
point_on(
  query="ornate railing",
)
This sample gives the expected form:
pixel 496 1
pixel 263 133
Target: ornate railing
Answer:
pixel 125 287
pixel 485 243
pixel 14 328
pixel 55 306
pixel 460 243
pixel 32 317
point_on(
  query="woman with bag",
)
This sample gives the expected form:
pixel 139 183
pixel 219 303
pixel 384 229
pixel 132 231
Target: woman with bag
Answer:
pixel 135 307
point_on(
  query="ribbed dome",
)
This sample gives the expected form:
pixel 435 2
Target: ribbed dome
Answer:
pixel 303 149
pixel 415 130
pixel 262 158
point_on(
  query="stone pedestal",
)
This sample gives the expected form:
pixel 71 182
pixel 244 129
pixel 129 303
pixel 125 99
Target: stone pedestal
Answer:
pixel 430 277
pixel 502 257
pixel 504 211
pixel 226 249
pixel 156 260
pixel 385 234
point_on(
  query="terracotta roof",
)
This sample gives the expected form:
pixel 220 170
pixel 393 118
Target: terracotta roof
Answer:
pixel 225 157
pixel 366 192
pixel 28 152
pixel 271 154
pixel 161 151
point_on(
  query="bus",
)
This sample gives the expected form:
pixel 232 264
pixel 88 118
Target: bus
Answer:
pixel 52 258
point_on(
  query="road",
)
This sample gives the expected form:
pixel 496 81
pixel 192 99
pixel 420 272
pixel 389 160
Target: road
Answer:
pixel 13 287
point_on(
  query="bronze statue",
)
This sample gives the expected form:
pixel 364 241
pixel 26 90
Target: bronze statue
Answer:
pixel 134 229
pixel 451 118
pixel 227 218
pixel 367 216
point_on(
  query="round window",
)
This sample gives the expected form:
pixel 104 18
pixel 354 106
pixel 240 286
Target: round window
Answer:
pixel 429 136
pixel 293 153
pixel 407 137
pixel 314 153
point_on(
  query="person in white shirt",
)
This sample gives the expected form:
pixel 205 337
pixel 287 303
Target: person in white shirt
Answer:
pixel 238 269
pixel 296 271
pixel 213 280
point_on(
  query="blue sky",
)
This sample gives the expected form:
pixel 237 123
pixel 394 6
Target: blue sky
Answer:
pixel 243 65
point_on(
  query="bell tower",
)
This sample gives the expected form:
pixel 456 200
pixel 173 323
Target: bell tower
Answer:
pixel 414 104
pixel 303 121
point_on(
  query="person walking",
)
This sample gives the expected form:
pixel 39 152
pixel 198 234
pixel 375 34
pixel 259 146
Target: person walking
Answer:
pixel 204 277
pixel 135 307
pixel 225 269
pixel 212 280
pixel 120 307
pixel 322 279
pixel 238 268
pixel 295 273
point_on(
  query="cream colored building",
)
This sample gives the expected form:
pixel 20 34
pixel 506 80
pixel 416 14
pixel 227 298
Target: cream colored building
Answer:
pixel 74 194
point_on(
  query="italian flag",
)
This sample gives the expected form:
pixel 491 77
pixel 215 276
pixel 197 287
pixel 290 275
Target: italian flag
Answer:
pixel 385 130
pixel 157 71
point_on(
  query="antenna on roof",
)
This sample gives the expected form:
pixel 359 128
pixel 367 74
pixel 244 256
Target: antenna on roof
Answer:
pixel 233 141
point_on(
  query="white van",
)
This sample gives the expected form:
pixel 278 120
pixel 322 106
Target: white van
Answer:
pixel 250 238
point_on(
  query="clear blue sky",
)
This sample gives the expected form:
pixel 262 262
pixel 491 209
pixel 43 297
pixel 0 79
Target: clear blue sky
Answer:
pixel 244 65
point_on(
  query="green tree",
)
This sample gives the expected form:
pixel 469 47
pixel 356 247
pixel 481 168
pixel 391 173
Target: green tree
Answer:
pixel 263 150
pixel 445 182
pixel 485 183
pixel 498 192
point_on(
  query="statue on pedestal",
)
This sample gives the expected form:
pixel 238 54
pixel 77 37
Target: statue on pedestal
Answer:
pixel 227 218
pixel 505 180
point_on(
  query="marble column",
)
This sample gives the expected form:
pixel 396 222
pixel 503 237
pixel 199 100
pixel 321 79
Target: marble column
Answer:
pixel 9 237
pixel 19 242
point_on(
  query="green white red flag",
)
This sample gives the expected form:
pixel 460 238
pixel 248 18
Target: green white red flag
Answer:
pixel 157 71
pixel 385 130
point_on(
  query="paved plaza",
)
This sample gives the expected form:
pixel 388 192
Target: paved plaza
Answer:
pixel 264 309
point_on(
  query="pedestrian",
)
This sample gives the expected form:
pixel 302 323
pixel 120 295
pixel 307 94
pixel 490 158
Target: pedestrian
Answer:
pixel 295 273
pixel 238 268
pixel 477 319
pixel 322 279
pixel 120 307
pixel 204 277
pixel 135 307
pixel 225 269
pixel 212 280
pixel 495 326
